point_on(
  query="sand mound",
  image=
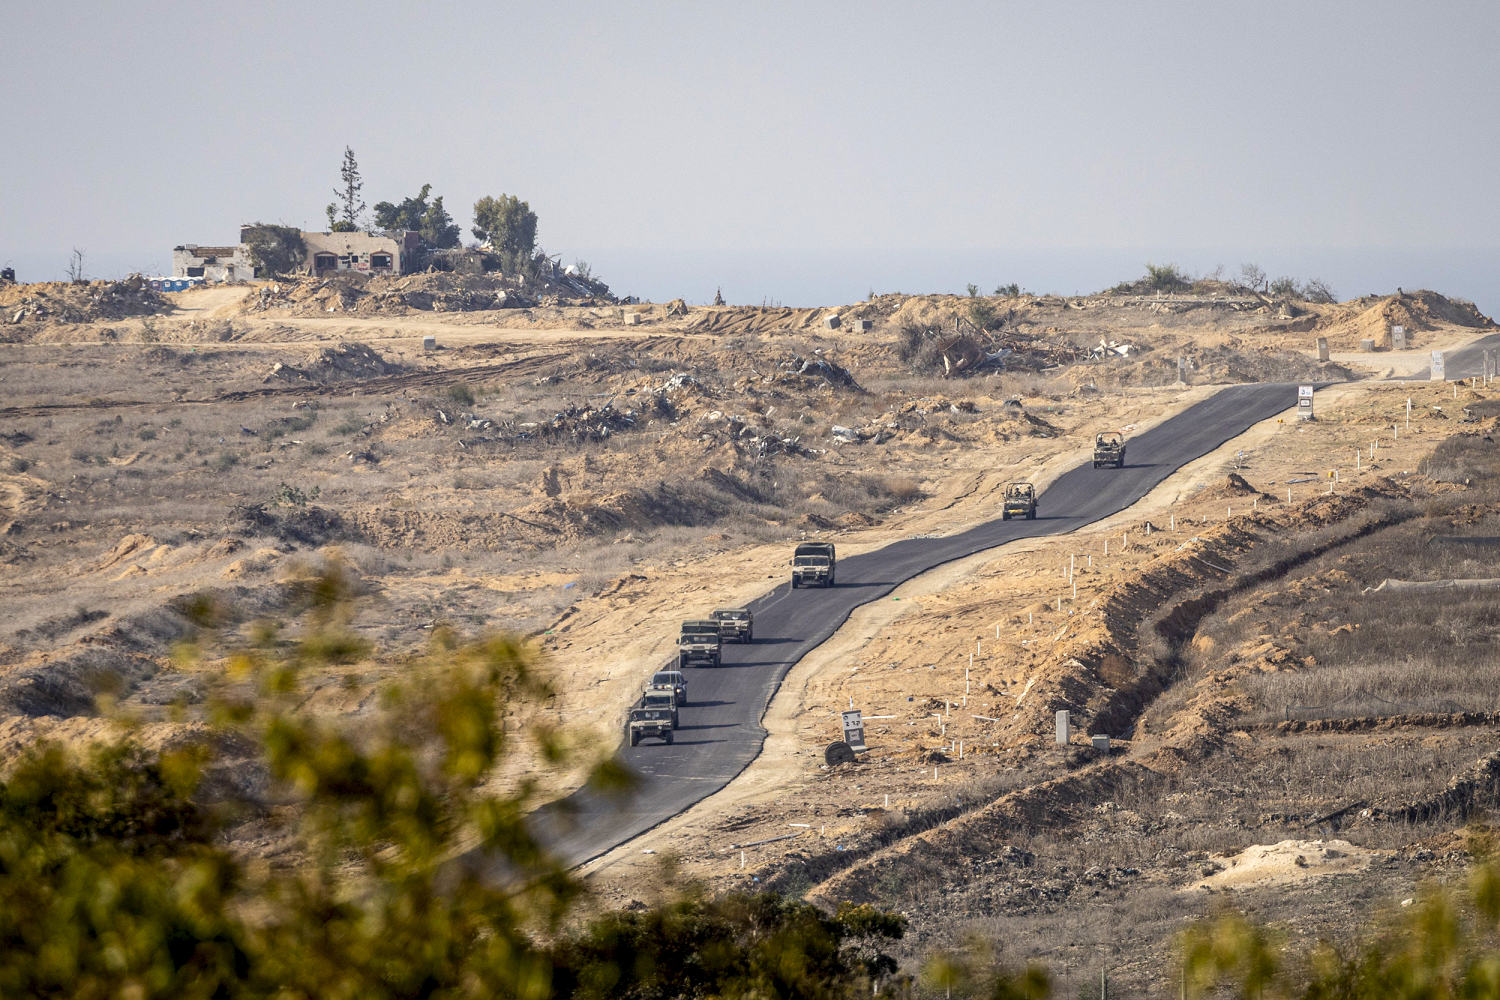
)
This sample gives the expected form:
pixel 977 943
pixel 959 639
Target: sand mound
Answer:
pixel 1418 312
pixel 67 302
pixel 1290 861
pixel 342 362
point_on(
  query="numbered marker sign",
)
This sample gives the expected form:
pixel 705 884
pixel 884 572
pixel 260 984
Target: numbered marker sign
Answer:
pixel 1439 367
pixel 1304 402
pixel 854 730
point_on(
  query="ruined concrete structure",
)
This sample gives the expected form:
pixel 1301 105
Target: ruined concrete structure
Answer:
pixel 327 253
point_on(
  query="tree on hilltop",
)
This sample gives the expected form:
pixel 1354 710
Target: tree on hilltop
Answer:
pixel 429 218
pixel 343 215
pixel 507 223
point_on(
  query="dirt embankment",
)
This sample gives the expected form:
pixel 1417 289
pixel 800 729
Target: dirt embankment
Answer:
pixel 78 302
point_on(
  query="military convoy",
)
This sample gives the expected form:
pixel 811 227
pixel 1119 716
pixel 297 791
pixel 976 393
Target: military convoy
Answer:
pixel 1109 449
pixel 1019 501
pixel 813 565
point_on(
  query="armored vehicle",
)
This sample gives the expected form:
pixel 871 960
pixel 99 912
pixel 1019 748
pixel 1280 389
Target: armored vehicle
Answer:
pixel 813 564
pixel 735 623
pixel 663 698
pixel 699 642
pixel 650 723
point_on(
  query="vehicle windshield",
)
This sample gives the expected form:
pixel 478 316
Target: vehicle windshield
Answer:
pixel 649 714
pixel 701 631
pixel 812 560
pixel 665 679
pixel 732 616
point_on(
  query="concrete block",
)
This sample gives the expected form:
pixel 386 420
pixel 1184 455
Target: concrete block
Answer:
pixel 1367 344
pixel 429 343
pixel 864 325
pixel 1064 729
pixel 632 319
pixel 1322 348
pixel 832 322
pixel 1101 743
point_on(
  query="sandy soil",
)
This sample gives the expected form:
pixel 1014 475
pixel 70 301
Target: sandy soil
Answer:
pixel 495 484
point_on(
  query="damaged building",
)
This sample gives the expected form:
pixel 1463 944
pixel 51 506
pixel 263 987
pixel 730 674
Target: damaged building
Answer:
pixel 326 253
pixel 223 263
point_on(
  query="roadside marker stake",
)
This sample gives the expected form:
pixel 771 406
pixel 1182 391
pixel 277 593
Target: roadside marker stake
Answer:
pixel 742 859
pixel 887 800
pixel 997 630
pixel 1288 494
pixel 1173 522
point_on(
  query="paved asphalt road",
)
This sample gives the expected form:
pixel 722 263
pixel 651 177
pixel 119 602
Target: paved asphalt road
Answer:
pixel 1467 362
pixel 720 726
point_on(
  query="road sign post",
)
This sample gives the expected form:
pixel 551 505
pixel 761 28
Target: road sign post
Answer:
pixel 1439 367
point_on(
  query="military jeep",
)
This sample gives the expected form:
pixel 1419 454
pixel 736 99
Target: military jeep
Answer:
pixel 650 723
pixel 1109 449
pixel 699 642
pixel 735 623
pixel 1020 501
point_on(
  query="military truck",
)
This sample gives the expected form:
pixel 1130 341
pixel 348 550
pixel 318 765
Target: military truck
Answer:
pixel 1020 501
pixel 735 623
pixel 1109 449
pixel 813 564
pixel 650 723
pixel 699 642
pixel 663 698
pixel 669 680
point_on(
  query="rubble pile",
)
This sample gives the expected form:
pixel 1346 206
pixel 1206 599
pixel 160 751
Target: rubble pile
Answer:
pixel 814 373
pixel 746 438
pixel 344 361
pixel 80 302
pixel 429 291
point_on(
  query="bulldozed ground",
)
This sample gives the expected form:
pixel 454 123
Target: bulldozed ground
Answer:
pixel 1282 740
pixel 593 480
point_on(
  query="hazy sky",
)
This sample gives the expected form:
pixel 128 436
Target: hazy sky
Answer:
pixel 647 134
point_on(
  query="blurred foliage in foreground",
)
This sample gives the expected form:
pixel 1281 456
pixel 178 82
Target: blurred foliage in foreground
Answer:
pixel 410 877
